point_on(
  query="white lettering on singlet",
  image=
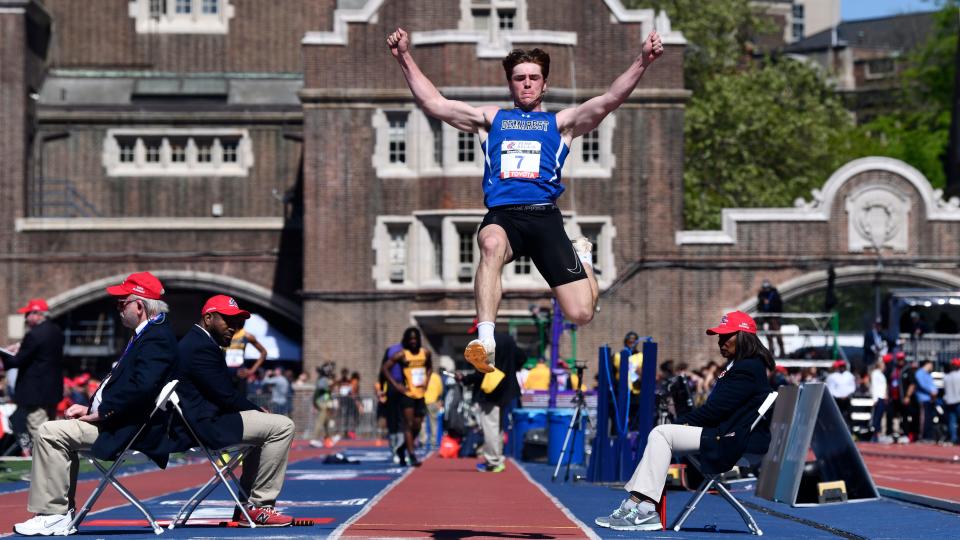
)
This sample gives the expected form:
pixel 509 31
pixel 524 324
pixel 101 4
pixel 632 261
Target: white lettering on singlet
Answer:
pixel 525 125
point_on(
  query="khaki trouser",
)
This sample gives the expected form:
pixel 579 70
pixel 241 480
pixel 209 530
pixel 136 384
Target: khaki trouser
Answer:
pixel 322 421
pixel 265 466
pixel 433 412
pixel 36 417
pixel 664 441
pixel 489 419
pixel 53 476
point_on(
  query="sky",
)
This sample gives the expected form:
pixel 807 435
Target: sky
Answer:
pixel 867 9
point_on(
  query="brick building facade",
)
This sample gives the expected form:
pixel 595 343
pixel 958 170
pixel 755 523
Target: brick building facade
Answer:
pixel 277 155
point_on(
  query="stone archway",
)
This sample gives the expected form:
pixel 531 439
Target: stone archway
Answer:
pixel 851 275
pixel 183 279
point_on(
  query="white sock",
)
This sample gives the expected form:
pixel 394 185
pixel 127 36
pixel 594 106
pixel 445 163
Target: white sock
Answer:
pixel 485 330
pixel 629 504
pixel 646 507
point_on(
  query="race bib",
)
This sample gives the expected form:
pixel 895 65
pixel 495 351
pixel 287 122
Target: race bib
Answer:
pixel 345 390
pixel 418 376
pixel 520 159
pixel 234 358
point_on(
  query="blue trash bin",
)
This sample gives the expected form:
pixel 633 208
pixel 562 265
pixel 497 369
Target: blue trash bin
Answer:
pixel 523 421
pixel 558 421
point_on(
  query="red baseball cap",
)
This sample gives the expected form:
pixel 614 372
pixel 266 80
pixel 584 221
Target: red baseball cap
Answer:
pixel 143 284
pixel 733 322
pixel 473 328
pixel 887 358
pixel 901 355
pixel 34 304
pixel 955 362
pixel 224 305
pixel 839 363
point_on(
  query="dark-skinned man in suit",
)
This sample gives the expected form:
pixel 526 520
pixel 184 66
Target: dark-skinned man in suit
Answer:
pixel 122 404
pixel 223 416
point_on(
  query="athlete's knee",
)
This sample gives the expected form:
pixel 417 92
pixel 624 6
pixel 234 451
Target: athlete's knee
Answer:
pixel 580 315
pixel 493 245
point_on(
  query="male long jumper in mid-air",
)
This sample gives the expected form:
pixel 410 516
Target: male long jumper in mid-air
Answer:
pixel 524 150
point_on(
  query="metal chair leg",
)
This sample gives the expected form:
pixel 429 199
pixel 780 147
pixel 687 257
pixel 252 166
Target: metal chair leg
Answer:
pixel 108 476
pixel 692 503
pixel 220 477
pixel 747 518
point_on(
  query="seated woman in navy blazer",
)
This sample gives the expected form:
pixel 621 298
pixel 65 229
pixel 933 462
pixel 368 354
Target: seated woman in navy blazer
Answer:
pixel 719 430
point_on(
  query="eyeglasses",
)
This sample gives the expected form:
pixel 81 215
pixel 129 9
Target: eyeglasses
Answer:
pixel 122 304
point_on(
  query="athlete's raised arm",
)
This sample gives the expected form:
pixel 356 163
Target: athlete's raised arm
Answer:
pixel 458 114
pixel 576 121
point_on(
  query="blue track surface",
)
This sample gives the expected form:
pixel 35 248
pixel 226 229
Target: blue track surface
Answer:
pixel 880 519
pixel 312 490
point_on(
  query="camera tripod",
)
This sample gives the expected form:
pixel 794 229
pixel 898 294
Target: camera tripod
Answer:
pixel 580 414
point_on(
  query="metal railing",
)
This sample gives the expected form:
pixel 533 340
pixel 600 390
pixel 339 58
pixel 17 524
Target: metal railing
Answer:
pixel 58 197
pixel 940 348
pixel 90 338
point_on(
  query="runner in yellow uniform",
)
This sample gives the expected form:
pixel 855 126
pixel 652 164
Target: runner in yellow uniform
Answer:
pixel 417 365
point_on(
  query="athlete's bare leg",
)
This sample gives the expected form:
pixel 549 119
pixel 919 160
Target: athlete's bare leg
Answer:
pixel 578 299
pixel 494 253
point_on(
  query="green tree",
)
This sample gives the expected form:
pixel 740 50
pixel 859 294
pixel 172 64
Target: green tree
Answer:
pixel 756 133
pixel 760 137
pixel 718 34
pixel 918 131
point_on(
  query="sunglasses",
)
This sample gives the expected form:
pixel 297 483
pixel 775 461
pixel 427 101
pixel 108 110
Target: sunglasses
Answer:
pixel 122 304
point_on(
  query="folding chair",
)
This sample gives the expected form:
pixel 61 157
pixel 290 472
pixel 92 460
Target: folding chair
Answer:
pixel 713 481
pixel 222 470
pixel 109 474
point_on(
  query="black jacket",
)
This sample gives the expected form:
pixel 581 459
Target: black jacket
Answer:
pixel 208 398
pixel 727 415
pixel 507 358
pixel 40 363
pixel 131 394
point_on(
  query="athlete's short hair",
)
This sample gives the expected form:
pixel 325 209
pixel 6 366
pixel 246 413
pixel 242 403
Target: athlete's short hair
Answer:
pixel 533 56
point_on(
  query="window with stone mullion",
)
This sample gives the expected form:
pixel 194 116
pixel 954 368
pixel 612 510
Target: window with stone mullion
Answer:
pixel 397 136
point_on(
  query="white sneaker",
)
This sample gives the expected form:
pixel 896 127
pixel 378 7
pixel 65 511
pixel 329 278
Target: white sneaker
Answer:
pixel 583 246
pixel 617 515
pixel 46 525
pixel 480 354
pixel 637 520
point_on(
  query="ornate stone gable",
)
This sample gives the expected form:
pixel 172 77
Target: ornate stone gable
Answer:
pixel 878 219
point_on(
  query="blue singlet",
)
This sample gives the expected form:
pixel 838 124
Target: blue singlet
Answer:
pixel 523 157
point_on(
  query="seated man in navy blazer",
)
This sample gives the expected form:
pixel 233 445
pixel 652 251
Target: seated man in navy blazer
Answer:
pixel 122 404
pixel 221 416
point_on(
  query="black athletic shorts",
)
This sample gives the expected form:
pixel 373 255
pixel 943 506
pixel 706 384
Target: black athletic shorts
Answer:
pixel 537 231
pixel 419 406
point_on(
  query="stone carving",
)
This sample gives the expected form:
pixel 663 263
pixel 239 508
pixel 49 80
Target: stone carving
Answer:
pixel 877 219
pixel 953 203
pixel 816 201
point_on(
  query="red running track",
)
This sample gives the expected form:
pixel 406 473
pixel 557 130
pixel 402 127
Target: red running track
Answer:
pixel 923 469
pixel 449 498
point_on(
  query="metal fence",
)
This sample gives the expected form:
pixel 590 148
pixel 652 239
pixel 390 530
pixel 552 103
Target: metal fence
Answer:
pixel 346 415
pixel 940 348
